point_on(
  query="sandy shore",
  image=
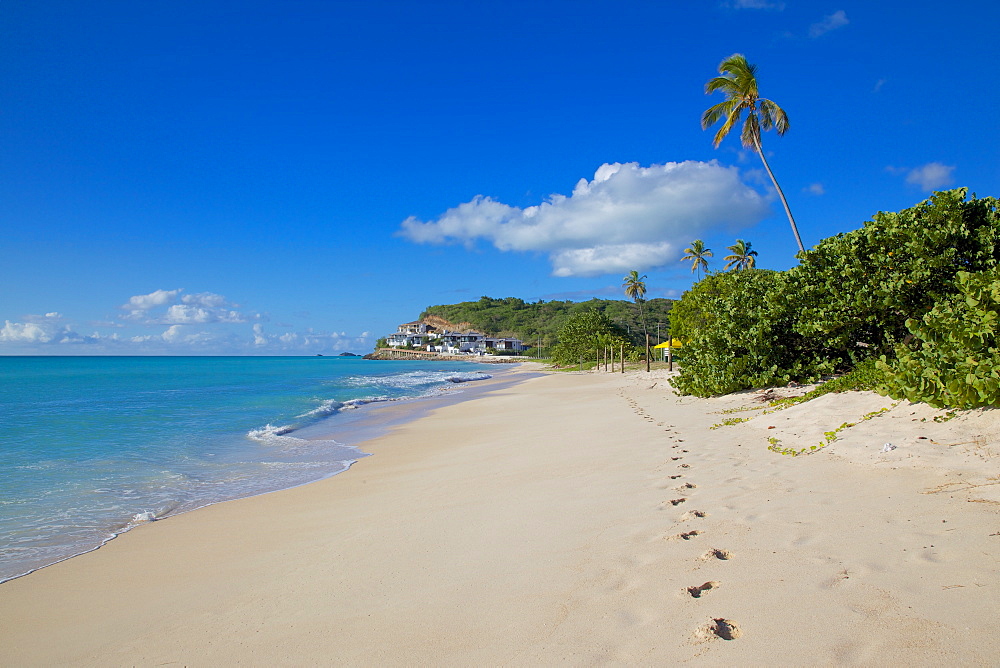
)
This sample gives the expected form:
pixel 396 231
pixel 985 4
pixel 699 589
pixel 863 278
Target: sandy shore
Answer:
pixel 570 519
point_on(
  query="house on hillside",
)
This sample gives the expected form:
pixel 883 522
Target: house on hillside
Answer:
pixel 413 334
pixel 420 334
pixel 504 344
pixel 415 327
pixel 458 343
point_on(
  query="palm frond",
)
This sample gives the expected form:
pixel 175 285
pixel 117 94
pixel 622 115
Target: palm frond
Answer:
pixel 775 115
pixel 716 112
pixel 725 84
pixel 751 131
pixel 731 120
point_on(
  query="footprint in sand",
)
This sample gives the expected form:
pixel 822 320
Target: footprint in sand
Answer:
pixel 685 466
pixel 721 555
pixel 674 459
pixel 687 535
pixel 726 629
pixel 676 502
pixel 687 485
pixel 675 477
pixel 692 515
pixel 698 590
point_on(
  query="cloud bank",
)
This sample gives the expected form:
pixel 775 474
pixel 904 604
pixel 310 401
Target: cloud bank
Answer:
pixel 627 217
pixel 201 308
pixel 171 323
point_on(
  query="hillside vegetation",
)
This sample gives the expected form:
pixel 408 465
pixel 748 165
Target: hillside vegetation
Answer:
pixel 542 320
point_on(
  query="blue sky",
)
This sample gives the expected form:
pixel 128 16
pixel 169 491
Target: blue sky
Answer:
pixel 298 177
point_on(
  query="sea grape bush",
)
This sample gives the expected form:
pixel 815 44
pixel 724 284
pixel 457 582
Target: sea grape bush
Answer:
pixel 737 337
pixel 852 297
pixel 854 292
pixel 584 331
pixel 955 362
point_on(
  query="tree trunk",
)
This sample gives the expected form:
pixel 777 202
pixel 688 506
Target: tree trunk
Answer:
pixel 647 353
pixel 784 202
pixel 621 354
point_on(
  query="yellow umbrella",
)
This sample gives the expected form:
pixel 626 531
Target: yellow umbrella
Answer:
pixel 672 343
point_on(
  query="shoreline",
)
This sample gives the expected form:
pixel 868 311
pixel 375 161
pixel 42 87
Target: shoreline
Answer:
pixel 569 518
pixel 346 429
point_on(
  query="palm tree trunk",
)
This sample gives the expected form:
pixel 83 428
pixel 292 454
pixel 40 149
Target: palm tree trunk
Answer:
pixel 784 202
pixel 646 333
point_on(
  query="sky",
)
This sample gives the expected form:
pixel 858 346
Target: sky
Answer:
pixel 297 178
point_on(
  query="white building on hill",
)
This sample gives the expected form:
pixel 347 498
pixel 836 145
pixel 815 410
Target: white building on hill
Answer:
pixel 419 335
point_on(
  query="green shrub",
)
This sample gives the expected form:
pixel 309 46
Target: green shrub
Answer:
pixel 853 293
pixel 954 361
pixel 739 337
pixel 581 334
pixel 851 298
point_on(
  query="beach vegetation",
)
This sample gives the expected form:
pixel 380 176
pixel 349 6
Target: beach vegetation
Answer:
pixel 853 297
pixel 828 437
pixel 584 335
pixel 953 360
pixel 738 84
pixel 737 338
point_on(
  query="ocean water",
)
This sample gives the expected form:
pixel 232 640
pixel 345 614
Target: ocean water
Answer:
pixel 91 446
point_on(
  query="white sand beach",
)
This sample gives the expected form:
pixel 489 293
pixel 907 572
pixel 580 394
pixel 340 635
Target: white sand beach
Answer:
pixel 574 518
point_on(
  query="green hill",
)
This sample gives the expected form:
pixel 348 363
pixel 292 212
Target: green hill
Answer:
pixel 540 321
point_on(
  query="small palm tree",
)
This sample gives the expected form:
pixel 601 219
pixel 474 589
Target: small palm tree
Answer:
pixel 635 289
pixel 742 257
pixel 739 85
pixel 697 254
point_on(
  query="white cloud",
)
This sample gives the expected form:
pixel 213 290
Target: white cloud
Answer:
pixel 200 308
pixel 182 314
pixel 836 20
pixel 206 299
pixel 815 189
pixel 174 334
pixel 878 85
pixel 627 217
pixel 931 176
pixel 24 332
pixel 152 300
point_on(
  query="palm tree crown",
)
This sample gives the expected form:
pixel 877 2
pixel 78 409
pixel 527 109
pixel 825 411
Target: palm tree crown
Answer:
pixel 738 84
pixel 635 288
pixel 742 257
pixel 697 254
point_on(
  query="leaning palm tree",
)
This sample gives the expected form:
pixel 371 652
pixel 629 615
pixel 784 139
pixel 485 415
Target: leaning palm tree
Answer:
pixel 739 84
pixel 697 254
pixel 742 257
pixel 635 289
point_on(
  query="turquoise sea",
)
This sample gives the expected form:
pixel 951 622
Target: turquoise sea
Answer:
pixel 91 446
